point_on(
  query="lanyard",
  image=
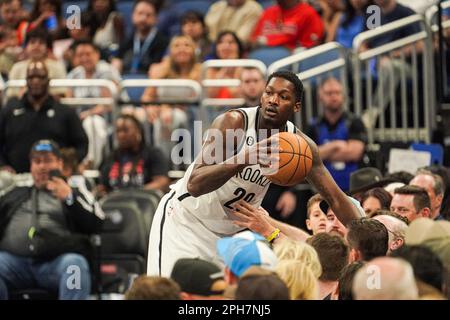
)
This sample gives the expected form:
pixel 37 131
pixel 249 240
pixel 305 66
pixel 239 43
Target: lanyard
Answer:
pixel 138 51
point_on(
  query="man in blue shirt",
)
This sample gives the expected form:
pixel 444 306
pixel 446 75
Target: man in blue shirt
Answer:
pixel 340 135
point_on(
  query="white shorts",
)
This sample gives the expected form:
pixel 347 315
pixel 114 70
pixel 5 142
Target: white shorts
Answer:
pixel 176 234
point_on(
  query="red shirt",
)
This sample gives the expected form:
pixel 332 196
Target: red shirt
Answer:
pixel 298 26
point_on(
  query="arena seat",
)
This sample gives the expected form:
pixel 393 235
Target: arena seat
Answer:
pixel 269 55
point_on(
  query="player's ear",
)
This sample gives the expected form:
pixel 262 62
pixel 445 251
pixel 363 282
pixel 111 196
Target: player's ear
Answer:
pixel 297 106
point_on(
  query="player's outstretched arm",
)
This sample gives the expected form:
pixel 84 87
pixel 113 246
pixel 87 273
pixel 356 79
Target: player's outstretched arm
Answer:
pixel 206 176
pixel 321 179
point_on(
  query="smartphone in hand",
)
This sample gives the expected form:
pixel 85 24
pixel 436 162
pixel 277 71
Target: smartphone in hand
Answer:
pixel 55 173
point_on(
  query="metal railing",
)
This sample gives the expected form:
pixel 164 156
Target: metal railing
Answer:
pixel 405 123
pixel 316 73
pixel 208 102
pixel 193 85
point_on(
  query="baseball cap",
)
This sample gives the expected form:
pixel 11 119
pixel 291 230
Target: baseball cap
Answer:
pixel 246 249
pixel 196 276
pixel 46 146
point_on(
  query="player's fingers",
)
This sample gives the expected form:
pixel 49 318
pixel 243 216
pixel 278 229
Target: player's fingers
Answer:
pixel 243 210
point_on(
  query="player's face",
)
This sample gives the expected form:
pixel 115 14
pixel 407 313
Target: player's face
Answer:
pixel 278 102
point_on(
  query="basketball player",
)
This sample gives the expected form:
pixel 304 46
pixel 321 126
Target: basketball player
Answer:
pixel 199 208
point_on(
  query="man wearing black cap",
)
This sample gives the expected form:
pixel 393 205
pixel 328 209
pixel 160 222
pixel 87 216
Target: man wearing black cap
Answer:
pixel 43 230
pixel 37 116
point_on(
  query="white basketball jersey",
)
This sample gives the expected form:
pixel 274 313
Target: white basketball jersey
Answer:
pixel 214 209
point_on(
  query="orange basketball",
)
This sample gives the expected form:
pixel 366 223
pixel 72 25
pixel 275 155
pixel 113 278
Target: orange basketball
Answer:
pixel 295 160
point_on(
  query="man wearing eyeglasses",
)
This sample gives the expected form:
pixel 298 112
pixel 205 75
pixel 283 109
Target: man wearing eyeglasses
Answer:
pixel 37 115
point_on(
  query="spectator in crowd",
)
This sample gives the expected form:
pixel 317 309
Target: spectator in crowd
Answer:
pixel 299 278
pixel 10 51
pixel 434 235
pixel 316 219
pixel 45 14
pixel 333 254
pixel 346 280
pixel 180 64
pixel 153 288
pixel 37 47
pixel 396 230
pixel 340 135
pixel 444 173
pixel 90 66
pixel 364 179
pixel 331 12
pixel 133 164
pixel 108 24
pixel 198 279
pixel 228 46
pixel 411 202
pixel 290 24
pixel 334 226
pixel 260 284
pixel 252 86
pixel 243 250
pixel 193 25
pixel 146 45
pixel 395 282
pixel 427 266
pixel 389 213
pixel 434 186
pixel 84 33
pixel 350 23
pixel 289 249
pixel 367 239
pixel 391 66
pixel 238 16
pixel 376 199
pixel 71 170
pixel 42 229
pixel 11 13
pixel 37 115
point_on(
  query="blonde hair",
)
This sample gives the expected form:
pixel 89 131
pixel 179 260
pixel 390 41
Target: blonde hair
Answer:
pixel 299 251
pixel 174 72
pixel 299 278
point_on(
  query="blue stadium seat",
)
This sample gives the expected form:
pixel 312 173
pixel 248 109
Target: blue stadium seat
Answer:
pixel 436 151
pixel 169 18
pixel 125 8
pixel 269 55
pixel 134 93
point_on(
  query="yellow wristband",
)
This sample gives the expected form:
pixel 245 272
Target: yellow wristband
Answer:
pixel 275 234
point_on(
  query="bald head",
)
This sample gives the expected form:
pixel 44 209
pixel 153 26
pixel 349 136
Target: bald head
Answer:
pixel 385 278
pixel 396 230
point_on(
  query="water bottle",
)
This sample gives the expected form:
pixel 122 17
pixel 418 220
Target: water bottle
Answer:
pixel 51 23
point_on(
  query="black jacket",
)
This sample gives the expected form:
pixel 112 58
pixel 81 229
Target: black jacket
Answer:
pixel 83 216
pixel 21 126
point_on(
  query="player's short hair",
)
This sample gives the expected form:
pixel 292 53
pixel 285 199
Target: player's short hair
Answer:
pixel 292 78
pixel 315 198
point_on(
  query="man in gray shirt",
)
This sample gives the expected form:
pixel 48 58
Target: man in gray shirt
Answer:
pixel 41 227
